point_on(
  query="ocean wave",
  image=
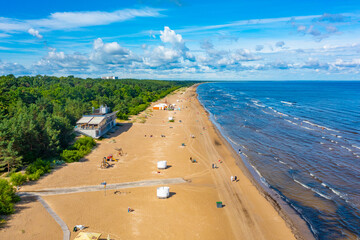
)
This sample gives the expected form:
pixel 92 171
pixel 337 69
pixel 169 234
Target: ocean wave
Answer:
pixel 289 121
pixel 313 190
pixel 282 114
pixel 308 128
pixel 339 194
pixel 282 162
pixel 232 141
pixel 355 146
pixel 321 143
pixel 319 126
pixel 338 136
pixel 262 179
pixel 347 148
pixel 302 184
pixel 287 103
pixel 265 112
pixel 259 105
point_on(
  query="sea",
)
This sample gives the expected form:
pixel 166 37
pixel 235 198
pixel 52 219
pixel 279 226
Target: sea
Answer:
pixel 301 140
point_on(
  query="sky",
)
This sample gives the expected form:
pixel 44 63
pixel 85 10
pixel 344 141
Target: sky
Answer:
pixel 182 39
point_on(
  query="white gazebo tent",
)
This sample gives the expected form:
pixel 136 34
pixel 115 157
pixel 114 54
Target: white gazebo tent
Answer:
pixel 163 192
pixel 161 164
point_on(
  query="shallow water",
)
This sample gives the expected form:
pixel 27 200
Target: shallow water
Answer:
pixel 303 140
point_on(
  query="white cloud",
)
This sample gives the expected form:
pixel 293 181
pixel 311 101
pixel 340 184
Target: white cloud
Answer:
pixel 59 62
pixel 280 44
pixel 259 47
pixel 12 68
pixel 35 33
pixel 71 20
pixel 112 56
pixel 169 36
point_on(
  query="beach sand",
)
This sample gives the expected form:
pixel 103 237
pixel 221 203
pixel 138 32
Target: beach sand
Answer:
pixel 189 213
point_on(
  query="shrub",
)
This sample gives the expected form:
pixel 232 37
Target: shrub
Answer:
pixel 86 142
pixel 36 175
pixel 80 148
pixel 38 168
pixel 7 197
pixel 70 156
pixel 17 179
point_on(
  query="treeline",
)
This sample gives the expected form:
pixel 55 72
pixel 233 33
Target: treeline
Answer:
pixel 38 113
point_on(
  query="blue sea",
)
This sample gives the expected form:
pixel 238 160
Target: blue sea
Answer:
pixel 302 141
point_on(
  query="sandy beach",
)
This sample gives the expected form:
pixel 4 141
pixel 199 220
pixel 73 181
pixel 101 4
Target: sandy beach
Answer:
pixel 189 213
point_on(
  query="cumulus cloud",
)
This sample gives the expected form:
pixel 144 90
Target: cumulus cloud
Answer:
pixel 174 55
pixel 35 33
pixel 321 26
pixel 12 68
pixel 59 62
pixel 112 55
pixel 280 44
pixel 169 36
pixel 259 47
pixel 206 44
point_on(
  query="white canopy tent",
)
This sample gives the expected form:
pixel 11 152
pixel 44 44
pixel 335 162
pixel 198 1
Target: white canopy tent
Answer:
pixel 161 164
pixel 163 192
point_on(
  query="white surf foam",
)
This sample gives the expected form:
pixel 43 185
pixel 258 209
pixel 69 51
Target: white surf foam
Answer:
pixel 287 103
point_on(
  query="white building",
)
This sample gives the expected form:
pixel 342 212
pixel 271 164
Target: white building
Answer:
pixel 109 77
pixel 98 123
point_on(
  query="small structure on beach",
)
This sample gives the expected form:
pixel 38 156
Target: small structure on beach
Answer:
pixel 161 164
pixel 163 192
pixel 160 106
pixel 98 123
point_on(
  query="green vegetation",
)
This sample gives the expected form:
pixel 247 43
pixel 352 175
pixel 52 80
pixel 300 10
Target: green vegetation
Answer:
pixel 7 197
pixel 17 179
pixel 77 151
pixel 38 113
pixel 38 168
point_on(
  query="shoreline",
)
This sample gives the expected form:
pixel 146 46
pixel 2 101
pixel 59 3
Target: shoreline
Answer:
pixel 189 212
pixel 293 220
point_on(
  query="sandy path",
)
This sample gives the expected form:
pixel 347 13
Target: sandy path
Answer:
pixel 190 212
pixel 114 186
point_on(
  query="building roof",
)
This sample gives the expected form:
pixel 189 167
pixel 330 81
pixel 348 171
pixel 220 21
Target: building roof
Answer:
pixel 160 105
pixel 96 120
pixel 84 120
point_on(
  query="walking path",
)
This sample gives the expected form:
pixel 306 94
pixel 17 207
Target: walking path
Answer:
pixel 63 226
pixel 115 186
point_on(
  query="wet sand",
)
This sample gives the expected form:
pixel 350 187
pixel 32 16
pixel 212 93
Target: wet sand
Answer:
pixel 190 212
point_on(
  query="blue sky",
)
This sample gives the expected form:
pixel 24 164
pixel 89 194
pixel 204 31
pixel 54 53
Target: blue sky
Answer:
pixel 181 39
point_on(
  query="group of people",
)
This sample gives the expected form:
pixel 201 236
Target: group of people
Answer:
pixel 162 135
pixel 234 178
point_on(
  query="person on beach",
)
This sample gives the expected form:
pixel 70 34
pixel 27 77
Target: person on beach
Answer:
pixel 235 178
pixel 232 178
